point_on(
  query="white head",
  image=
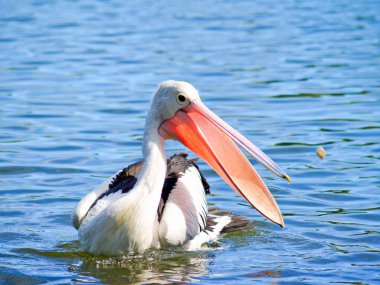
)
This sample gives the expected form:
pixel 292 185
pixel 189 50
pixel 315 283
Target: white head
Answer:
pixel 170 97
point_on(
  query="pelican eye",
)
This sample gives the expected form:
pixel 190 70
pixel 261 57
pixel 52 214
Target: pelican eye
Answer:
pixel 182 99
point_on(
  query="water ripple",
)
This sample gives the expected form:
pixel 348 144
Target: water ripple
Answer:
pixel 292 76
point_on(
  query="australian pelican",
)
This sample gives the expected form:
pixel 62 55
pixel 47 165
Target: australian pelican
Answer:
pixel 161 202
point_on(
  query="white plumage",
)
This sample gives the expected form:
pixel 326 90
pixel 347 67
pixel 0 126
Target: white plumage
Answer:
pixel 182 222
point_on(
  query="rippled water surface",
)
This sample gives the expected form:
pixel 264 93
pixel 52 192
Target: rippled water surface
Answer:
pixel 75 84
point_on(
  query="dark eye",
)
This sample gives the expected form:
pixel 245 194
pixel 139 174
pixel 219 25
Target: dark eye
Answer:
pixel 181 98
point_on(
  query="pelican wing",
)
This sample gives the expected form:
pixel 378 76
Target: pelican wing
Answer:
pixel 112 189
pixel 183 208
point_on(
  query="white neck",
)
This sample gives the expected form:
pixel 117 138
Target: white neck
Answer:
pixel 139 209
pixel 152 175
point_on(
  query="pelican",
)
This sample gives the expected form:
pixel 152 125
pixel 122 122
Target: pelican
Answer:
pixel 160 202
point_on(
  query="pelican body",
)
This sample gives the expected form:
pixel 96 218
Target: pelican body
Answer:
pixel 160 202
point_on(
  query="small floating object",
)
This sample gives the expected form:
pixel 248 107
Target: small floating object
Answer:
pixel 321 152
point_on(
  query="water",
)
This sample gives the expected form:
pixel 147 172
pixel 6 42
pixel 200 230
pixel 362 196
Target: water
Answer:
pixel 75 83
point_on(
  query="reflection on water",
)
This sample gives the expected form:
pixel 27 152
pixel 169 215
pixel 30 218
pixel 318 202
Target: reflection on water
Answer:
pixel 158 268
pixel 75 84
pixel 154 267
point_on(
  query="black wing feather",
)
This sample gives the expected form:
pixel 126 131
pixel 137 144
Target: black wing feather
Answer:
pixel 126 179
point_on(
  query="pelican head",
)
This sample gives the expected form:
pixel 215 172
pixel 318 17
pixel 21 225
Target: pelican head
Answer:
pixel 183 117
pixel 170 97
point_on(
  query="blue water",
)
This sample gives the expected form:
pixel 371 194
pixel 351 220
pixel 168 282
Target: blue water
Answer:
pixel 76 78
